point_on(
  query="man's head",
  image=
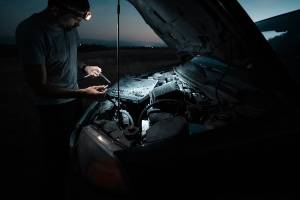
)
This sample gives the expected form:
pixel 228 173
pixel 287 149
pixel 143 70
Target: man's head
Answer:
pixel 70 12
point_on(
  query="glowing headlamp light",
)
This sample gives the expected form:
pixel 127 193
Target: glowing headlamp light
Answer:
pixel 84 15
pixel 87 15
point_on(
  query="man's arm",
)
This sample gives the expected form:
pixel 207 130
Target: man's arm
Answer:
pixel 91 70
pixel 37 78
pixel 81 64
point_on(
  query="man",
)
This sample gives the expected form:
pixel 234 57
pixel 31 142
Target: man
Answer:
pixel 47 43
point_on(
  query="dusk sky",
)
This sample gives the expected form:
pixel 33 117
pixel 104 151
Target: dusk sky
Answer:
pixel 262 9
pixel 101 27
pixel 133 28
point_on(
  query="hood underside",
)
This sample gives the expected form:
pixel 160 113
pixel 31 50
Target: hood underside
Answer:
pixel 196 27
pixel 219 29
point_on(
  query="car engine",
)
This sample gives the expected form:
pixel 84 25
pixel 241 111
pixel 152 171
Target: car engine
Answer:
pixel 163 105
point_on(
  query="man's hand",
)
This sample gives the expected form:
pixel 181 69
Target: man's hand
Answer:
pixel 93 70
pixel 94 91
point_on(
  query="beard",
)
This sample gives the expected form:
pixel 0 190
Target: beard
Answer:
pixel 69 28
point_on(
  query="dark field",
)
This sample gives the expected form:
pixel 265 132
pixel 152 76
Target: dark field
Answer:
pixel 19 122
pixel 132 61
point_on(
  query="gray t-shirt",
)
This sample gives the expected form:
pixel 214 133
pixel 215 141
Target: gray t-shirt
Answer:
pixel 41 42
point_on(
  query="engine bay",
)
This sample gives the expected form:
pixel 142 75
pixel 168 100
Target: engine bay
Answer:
pixel 163 105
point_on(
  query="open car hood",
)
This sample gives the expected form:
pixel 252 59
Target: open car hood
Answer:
pixel 218 29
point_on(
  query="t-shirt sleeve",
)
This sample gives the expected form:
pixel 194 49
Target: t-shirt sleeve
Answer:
pixel 77 38
pixel 31 47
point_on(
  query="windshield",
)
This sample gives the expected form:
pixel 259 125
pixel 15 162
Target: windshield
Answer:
pixel 278 22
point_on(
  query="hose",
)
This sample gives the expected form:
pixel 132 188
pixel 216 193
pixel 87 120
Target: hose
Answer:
pixel 152 104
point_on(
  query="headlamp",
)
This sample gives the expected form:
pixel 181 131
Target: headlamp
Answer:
pixel 87 15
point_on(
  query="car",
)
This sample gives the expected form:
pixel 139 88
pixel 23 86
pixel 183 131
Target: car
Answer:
pixel 219 120
pixel 283 36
